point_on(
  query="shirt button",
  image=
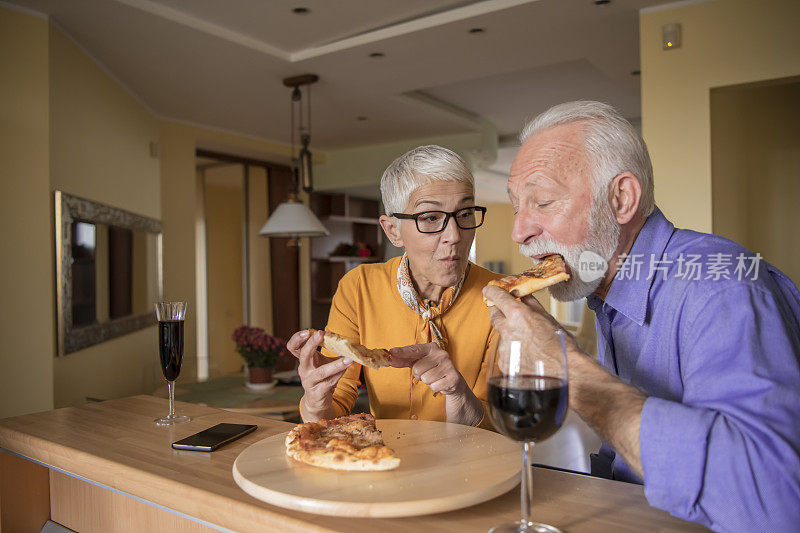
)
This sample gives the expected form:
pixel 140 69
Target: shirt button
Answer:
pixel 414 417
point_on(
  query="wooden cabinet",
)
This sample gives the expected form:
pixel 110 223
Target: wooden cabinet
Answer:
pixel 352 222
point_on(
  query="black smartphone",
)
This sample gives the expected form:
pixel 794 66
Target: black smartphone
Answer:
pixel 212 438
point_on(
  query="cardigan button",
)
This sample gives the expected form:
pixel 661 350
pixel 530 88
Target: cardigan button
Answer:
pixel 414 417
pixel 414 381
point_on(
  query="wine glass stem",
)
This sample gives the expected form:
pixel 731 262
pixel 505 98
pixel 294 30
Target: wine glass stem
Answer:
pixel 526 490
pixel 171 388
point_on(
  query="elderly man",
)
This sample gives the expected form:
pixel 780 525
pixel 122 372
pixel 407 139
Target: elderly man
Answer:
pixel 697 390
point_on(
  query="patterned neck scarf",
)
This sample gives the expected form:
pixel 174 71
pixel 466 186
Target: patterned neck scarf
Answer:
pixel 431 313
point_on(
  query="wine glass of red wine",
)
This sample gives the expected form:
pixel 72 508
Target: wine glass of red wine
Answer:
pixel 171 316
pixel 528 399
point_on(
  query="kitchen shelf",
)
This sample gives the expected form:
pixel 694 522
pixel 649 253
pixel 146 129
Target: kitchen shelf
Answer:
pixel 349 220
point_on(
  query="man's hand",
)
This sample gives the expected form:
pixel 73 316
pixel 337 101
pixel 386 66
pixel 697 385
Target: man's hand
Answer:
pixel 318 374
pixel 610 406
pixel 432 365
pixel 526 319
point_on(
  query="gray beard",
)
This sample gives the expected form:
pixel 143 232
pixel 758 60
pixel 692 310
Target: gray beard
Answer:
pixel 603 239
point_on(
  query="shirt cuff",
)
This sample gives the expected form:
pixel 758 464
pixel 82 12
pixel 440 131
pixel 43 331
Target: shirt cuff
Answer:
pixel 674 442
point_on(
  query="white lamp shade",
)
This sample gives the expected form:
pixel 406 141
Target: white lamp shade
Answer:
pixel 293 219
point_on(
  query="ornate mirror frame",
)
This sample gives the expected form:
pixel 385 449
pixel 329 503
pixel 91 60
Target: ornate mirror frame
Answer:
pixel 67 209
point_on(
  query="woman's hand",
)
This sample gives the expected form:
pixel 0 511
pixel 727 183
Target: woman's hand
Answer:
pixel 318 374
pixel 432 365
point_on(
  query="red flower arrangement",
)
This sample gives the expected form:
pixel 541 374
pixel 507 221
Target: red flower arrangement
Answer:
pixel 258 348
pixel 358 249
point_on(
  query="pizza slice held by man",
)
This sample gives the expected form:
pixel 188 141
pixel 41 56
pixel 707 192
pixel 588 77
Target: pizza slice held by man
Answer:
pixel 548 271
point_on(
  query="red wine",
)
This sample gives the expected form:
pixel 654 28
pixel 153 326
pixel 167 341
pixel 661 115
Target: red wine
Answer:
pixel 527 408
pixel 170 345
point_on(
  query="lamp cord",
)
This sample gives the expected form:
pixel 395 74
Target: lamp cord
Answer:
pixel 308 111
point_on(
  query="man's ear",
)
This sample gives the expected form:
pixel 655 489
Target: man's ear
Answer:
pixel 625 194
pixel 392 230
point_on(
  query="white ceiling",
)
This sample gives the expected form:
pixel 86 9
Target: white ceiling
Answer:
pixel 220 63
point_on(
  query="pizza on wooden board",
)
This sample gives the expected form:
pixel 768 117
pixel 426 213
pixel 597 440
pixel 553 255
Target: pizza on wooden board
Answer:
pixel 548 271
pixel 351 442
pixel 372 358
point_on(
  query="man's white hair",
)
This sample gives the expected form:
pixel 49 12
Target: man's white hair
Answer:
pixel 612 144
pixel 417 167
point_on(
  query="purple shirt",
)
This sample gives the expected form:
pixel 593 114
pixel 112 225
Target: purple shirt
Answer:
pixel 720 362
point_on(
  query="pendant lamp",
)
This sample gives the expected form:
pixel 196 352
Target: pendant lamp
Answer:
pixel 292 218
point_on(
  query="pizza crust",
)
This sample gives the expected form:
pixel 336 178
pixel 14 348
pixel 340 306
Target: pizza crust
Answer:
pixel 342 457
pixel 350 442
pixel 372 358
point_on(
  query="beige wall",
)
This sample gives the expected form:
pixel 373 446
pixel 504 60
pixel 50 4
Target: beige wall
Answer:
pixel 109 370
pixel 224 195
pixel 494 239
pixel 100 134
pixel 725 42
pixel 100 137
pixel 729 165
pixel 26 272
pixel 364 166
pixel 756 169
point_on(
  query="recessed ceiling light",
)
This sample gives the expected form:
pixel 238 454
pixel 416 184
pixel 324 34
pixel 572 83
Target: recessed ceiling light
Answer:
pixel 362 118
pixel 477 30
pixel 635 72
pixel 376 54
pixel 301 10
pixel 602 2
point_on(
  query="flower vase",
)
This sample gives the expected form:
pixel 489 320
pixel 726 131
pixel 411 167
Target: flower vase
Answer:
pixel 259 374
pixel 259 378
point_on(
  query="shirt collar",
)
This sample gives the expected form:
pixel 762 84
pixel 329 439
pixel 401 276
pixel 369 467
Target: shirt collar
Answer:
pixel 629 294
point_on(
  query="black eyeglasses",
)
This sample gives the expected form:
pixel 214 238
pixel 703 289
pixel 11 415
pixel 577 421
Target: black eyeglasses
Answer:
pixel 436 221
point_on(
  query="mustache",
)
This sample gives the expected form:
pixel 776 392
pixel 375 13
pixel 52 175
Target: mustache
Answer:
pixel 548 246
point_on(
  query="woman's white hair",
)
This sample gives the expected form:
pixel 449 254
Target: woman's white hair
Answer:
pixel 612 144
pixel 417 167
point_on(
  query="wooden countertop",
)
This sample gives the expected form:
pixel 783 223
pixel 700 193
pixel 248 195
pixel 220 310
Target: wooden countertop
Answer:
pixel 116 444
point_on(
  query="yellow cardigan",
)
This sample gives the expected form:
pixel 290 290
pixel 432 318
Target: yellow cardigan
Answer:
pixel 367 308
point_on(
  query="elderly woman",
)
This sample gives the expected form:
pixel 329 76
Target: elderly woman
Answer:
pixel 426 306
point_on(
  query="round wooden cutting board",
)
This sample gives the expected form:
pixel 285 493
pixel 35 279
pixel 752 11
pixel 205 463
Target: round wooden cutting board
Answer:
pixel 442 467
